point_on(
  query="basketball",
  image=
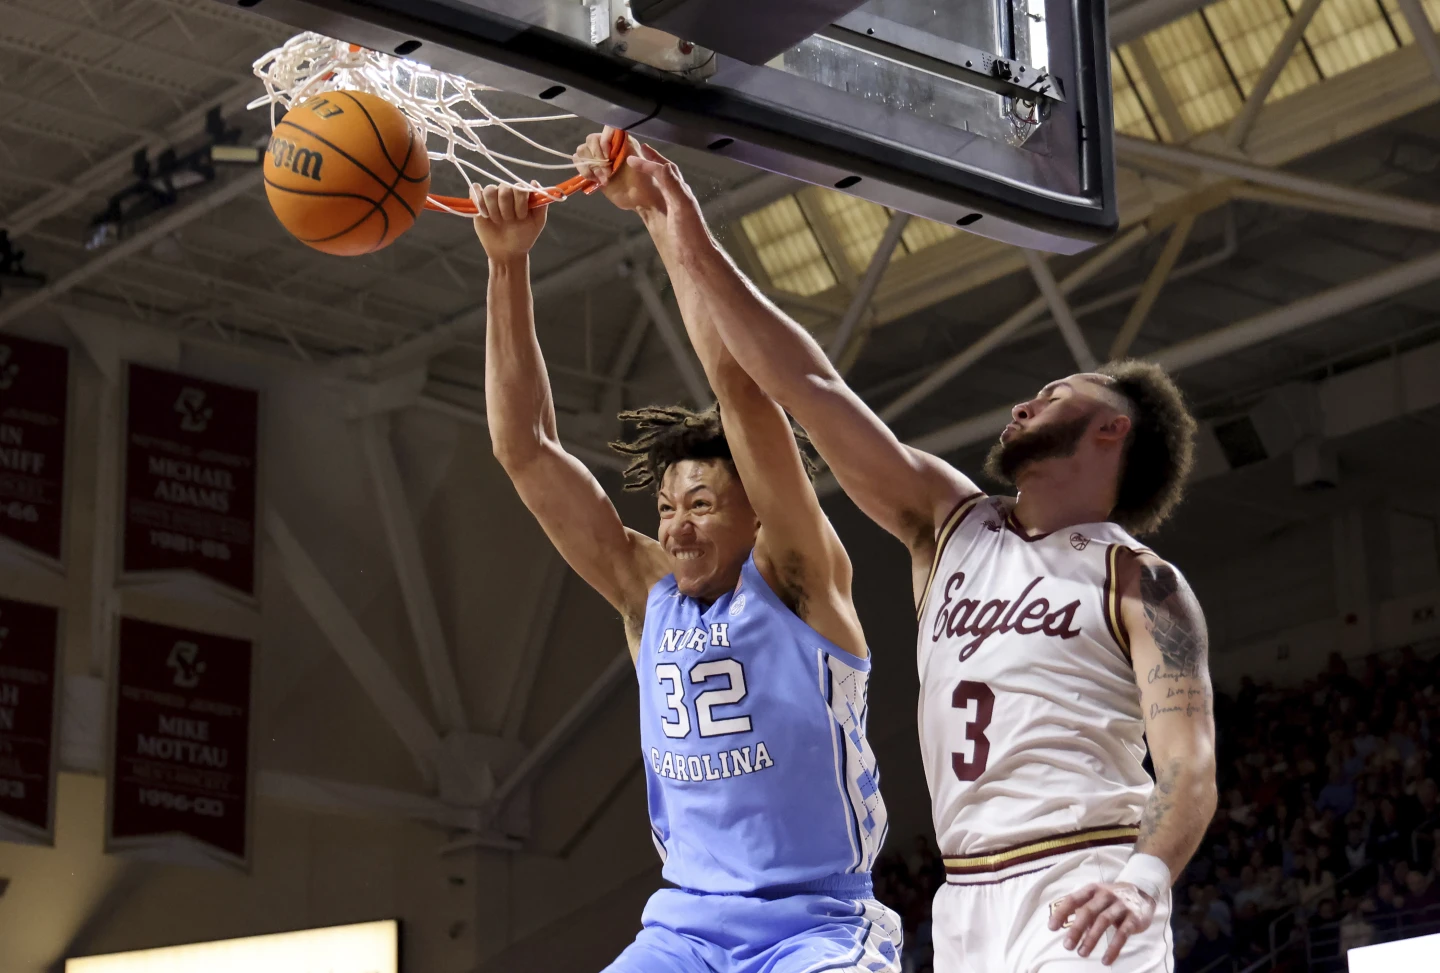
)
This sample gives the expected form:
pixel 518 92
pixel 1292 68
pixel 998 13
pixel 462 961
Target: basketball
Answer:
pixel 346 173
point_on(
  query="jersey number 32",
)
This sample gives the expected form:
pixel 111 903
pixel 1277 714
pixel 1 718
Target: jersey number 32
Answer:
pixel 730 671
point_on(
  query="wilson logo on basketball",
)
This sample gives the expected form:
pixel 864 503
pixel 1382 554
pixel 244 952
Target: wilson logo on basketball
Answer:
pixel 285 154
pixel 1024 615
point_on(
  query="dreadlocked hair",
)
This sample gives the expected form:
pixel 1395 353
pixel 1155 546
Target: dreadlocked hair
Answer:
pixel 1161 450
pixel 666 435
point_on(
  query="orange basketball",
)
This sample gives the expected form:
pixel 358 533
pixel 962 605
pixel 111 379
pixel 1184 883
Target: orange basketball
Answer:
pixel 346 173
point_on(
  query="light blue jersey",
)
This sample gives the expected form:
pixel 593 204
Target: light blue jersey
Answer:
pixel 753 728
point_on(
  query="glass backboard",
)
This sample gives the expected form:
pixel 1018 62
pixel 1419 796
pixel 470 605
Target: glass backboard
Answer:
pixel 992 115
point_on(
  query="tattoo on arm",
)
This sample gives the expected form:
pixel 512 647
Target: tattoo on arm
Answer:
pixel 1160 804
pixel 1178 629
pixel 1170 615
pixel 1180 806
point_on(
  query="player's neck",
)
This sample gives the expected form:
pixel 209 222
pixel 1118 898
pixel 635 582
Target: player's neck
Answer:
pixel 711 590
pixel 1057 495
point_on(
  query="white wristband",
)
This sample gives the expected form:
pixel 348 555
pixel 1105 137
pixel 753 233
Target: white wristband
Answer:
pixel 1147 873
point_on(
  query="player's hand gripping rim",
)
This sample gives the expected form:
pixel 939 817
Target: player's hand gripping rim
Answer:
pixel 652 183
pixel 506 220
pixel 1090 911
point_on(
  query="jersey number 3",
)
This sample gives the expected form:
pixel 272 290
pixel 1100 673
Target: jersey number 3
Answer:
pixel 983 698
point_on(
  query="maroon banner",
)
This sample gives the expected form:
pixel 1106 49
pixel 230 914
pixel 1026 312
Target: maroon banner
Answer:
pixel 181 760
pixel 34 394
pixel 29 636
pixel 190 476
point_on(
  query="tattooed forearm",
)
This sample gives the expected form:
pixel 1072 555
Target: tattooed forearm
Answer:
pixel 1161 803
pixel 1174 620
pixel 1177 813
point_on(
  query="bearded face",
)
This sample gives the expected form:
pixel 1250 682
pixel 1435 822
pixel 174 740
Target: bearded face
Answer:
pixel 1049 441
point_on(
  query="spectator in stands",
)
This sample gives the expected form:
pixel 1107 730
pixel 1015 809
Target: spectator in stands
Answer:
pixel 1240 811
pixel 1402 738
pixel 1423 808
pixel 1218 908
pixel 1325 930
pixel 1364 742
pixel 1212 945
pixel 1250 889
pixel 1315 882
pixel 1338 795
pixel 1355 928
pixel 1356 847
pixel 1386 840
pixel 1420 892
pixel 1227 882
pixel 1294 852
pixel 1252 931
pixel 1386 905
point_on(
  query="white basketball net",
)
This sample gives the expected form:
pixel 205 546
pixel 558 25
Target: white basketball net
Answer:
pixel 439 104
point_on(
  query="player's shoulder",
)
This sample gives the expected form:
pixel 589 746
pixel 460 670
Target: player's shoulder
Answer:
pixel 1145 576
pixel 958 508
pixel 649 564
pixel 944 488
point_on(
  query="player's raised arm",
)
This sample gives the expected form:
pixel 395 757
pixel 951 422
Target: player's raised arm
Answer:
pixel 797 550
pixel 1169 648
pixel 902 489
pixel 559 490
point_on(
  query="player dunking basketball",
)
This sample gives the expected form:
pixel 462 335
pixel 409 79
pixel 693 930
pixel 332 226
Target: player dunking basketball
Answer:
pixel 751 663
pixel 1051 644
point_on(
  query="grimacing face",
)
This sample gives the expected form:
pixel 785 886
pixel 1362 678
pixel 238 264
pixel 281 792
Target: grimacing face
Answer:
pixel 707 526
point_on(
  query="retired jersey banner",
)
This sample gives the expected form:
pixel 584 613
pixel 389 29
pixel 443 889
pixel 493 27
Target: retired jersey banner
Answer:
pixel 190 478
pixel 34 395
pixel 29 710
pixel 180 738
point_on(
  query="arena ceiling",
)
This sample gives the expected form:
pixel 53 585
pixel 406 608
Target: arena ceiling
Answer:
pixel 87 84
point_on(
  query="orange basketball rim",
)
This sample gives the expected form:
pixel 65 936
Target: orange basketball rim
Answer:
pixel 619 148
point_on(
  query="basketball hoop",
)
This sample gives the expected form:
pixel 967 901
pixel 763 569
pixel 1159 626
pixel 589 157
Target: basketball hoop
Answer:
pixel 444 105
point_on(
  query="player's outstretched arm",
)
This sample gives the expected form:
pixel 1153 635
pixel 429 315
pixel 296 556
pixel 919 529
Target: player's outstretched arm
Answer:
pixel 905 491
pixel 564 496
pixel 1169 648
pixel 797 550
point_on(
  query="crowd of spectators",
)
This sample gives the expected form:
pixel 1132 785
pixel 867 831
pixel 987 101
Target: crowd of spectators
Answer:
pixel 1327 834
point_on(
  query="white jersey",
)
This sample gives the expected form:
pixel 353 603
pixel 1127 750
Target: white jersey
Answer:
pixel 1030 721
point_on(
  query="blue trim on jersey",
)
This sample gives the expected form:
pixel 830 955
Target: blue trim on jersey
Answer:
pixel 857 843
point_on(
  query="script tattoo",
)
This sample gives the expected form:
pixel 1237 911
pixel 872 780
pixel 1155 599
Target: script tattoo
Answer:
pixel 1173 617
